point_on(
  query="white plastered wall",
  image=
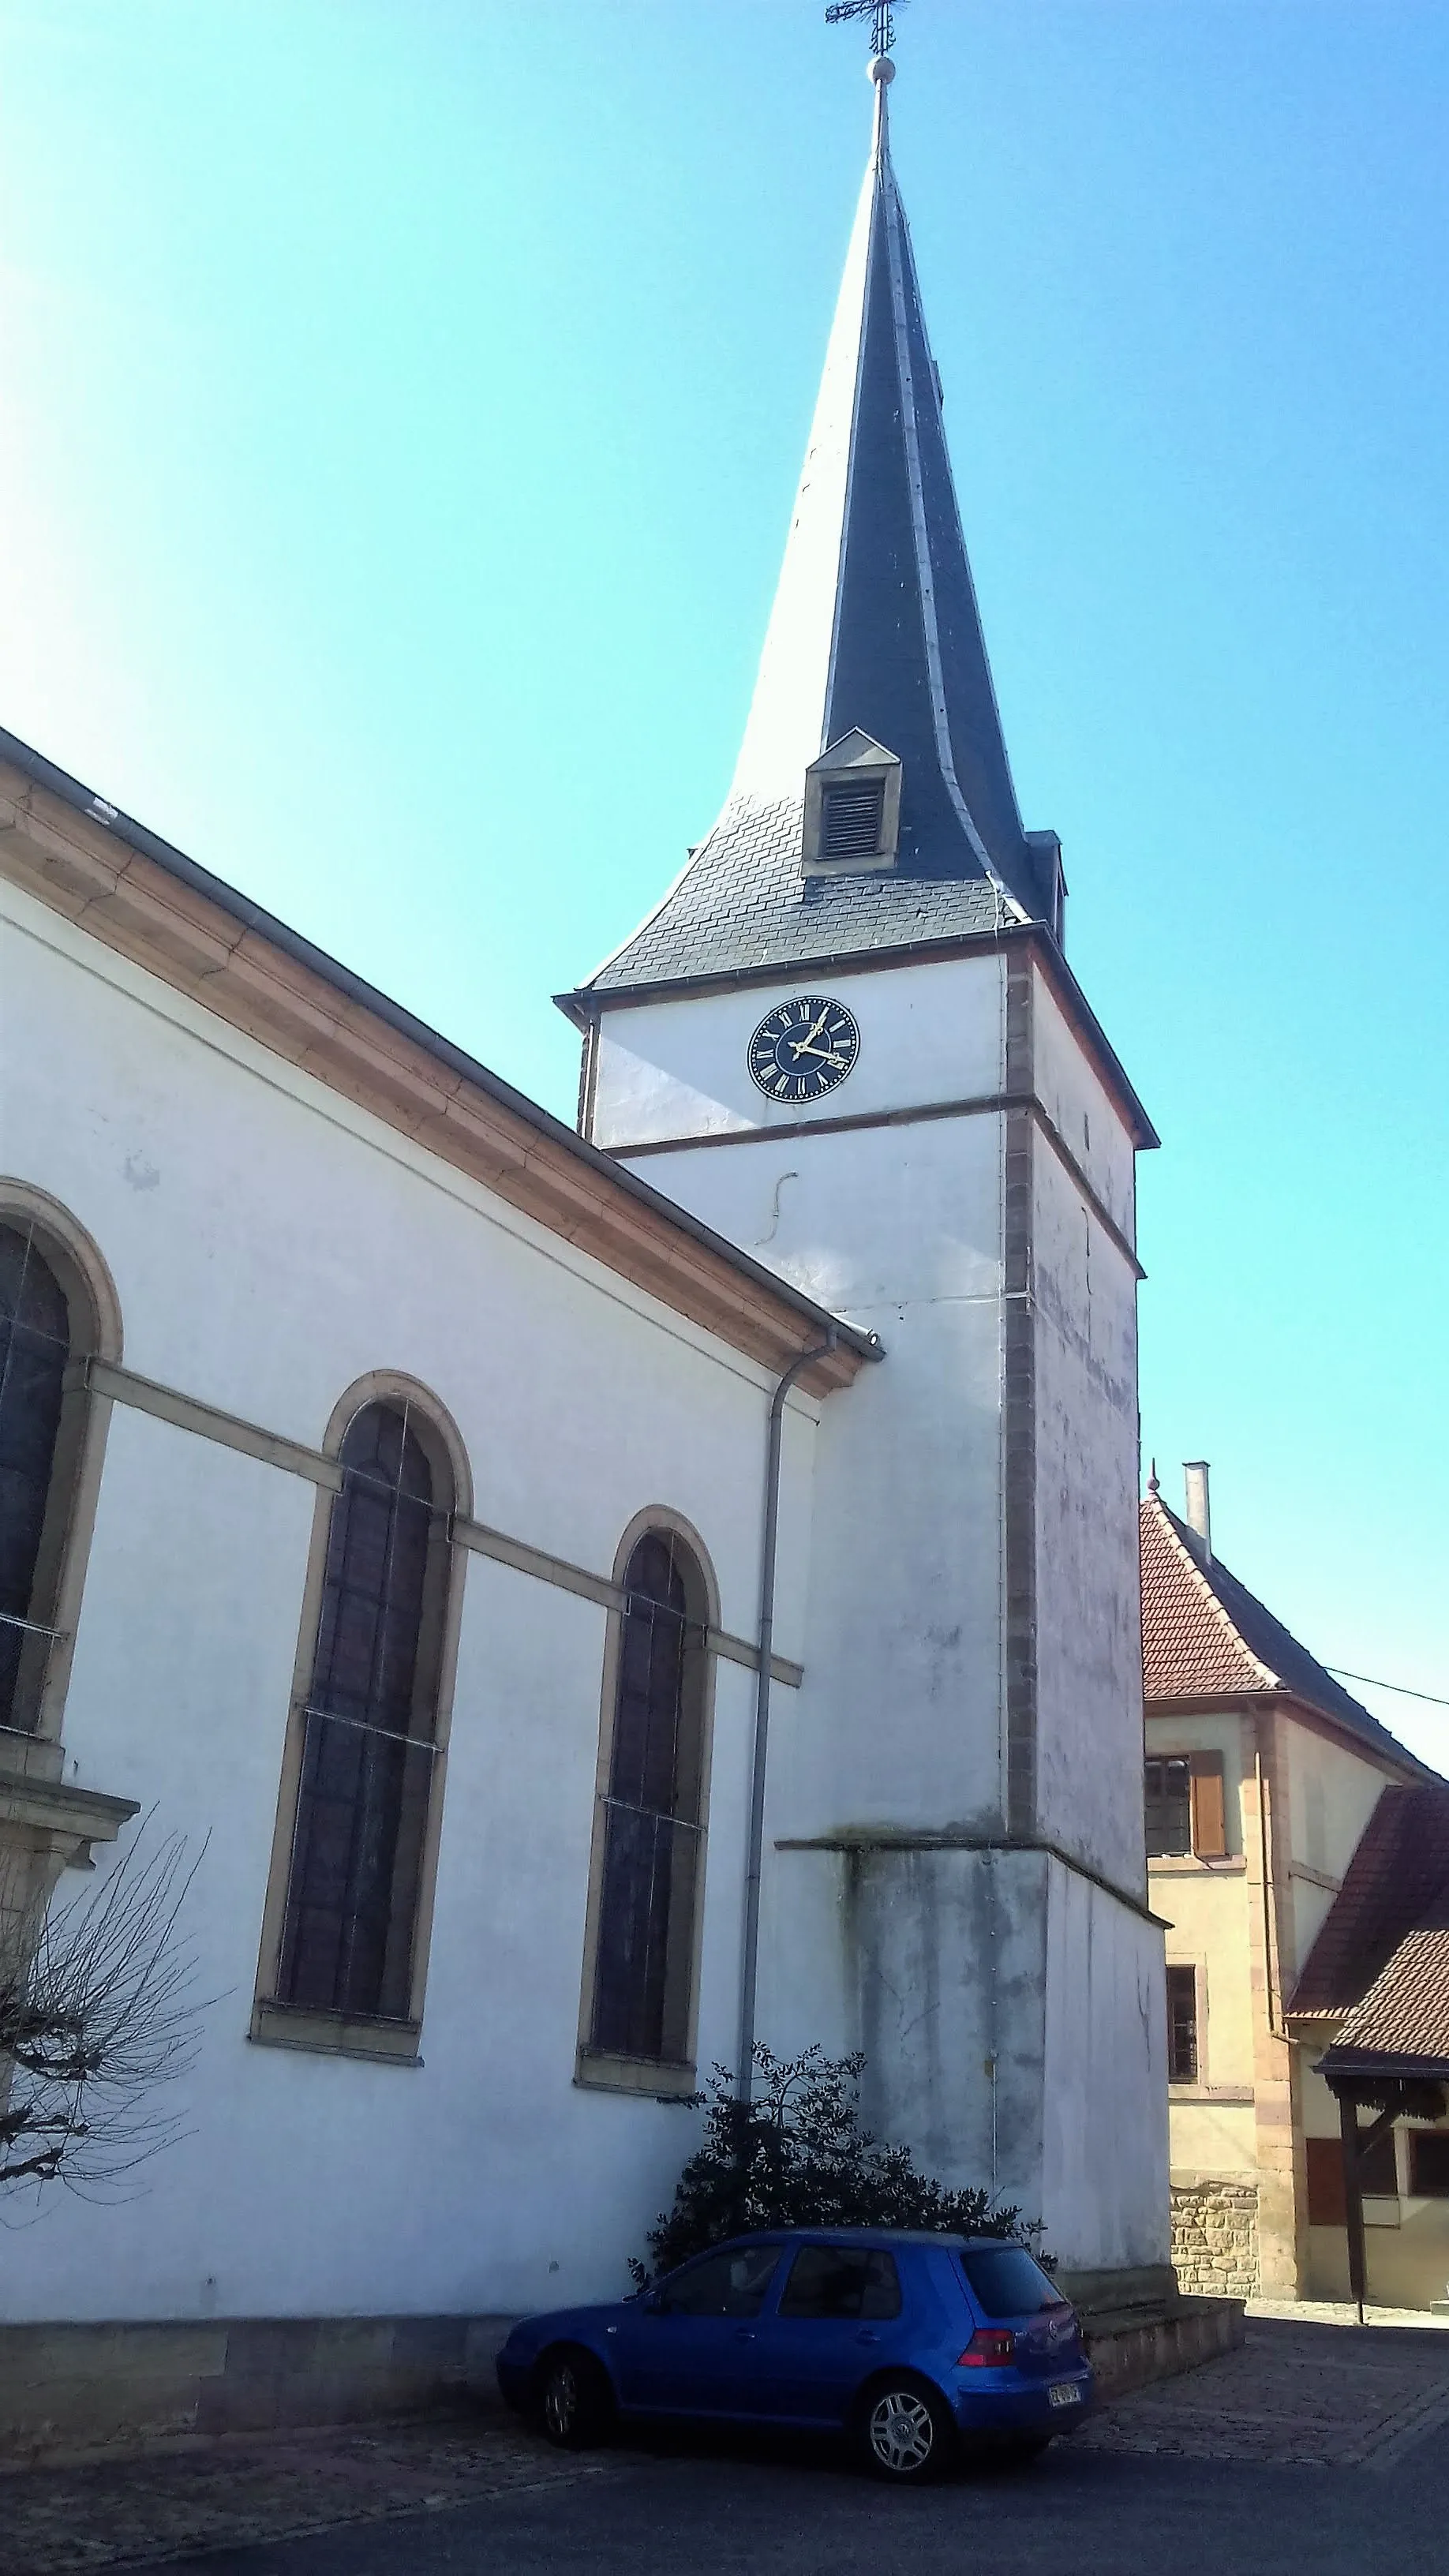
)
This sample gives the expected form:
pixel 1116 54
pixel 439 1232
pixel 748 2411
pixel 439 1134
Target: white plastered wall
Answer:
pixel 898 1731
pixel 1105 2138
pixel 271 1244
pixel 1332 1792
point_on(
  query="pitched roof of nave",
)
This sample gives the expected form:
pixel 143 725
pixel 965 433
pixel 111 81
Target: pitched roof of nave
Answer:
pixel 149 901
pixel 1205 1636
pixel 875 625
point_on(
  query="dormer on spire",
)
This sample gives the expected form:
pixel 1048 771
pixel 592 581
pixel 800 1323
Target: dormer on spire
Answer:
pixel 874 633
pixel 852 814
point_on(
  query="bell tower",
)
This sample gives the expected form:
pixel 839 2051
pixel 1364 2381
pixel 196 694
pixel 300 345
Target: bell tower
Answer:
pixel 848 1038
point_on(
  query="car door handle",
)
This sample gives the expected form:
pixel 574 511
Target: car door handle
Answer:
pixel 744 2334
pixel 867 2337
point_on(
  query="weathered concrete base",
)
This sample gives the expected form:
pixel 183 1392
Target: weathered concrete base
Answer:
pixel 1127 2351
pixel 1145 2285
pixel 67 2389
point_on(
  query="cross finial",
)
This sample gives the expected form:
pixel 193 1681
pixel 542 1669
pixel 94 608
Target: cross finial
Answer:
pixel 881 14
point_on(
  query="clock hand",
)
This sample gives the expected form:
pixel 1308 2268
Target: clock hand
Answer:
pixel 826 1054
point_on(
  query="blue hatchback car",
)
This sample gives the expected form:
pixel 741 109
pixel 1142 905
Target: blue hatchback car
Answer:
pixel 911 2344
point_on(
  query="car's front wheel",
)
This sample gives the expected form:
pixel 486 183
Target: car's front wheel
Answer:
pixel 904 2432
pixel 574 2400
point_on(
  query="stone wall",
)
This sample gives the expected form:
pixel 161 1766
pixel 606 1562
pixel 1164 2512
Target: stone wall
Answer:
pixel 1215 2237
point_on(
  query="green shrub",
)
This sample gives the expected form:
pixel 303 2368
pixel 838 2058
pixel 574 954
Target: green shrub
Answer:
pixel 797 2156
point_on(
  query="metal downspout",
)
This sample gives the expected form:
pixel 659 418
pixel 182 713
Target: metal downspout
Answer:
pixel 749 1961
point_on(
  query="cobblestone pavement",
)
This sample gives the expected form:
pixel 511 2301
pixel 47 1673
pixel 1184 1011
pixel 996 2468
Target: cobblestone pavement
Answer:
pixel 1332 2396
pixel 177 2502
pixel 1317 2395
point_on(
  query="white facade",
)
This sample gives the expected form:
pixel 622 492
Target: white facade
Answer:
pixel 990 1950
pixel 271 1245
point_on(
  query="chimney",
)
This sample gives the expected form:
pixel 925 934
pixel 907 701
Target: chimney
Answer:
pixel 1196 1511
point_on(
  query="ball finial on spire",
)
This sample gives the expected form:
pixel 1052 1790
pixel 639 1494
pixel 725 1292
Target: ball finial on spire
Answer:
pixel 882 70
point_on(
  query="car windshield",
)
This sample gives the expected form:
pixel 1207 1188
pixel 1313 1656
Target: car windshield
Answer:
pixel 1006 2282
pixel 731 2283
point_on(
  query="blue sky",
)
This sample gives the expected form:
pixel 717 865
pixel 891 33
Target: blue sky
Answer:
pixel 402 405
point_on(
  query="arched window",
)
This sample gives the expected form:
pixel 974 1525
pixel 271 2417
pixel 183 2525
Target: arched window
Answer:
pixel 652 1820
pixel 369 1724
pixel 53 1296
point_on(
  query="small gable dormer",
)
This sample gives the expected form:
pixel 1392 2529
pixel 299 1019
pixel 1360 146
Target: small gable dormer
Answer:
pixel 852 808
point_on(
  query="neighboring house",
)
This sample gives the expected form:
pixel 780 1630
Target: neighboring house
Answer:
pixel 414 1457
pixel 1375 1987
pixel 1262 1775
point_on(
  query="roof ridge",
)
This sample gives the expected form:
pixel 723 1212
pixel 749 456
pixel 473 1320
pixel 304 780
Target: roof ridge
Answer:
pixel 1271 1680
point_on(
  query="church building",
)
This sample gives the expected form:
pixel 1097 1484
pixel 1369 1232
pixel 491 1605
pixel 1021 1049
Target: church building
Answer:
pixel 592 1599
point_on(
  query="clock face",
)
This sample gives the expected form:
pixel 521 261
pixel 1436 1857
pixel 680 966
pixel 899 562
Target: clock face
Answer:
pixel 803 1048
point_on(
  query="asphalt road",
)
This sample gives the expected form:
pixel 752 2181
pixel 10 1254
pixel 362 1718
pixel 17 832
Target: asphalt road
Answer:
pixel 723 2509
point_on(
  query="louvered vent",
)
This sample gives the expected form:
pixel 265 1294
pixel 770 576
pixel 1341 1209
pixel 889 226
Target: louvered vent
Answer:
pixel 850 818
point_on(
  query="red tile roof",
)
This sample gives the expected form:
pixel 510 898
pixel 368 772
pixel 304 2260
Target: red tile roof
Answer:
pixel 1189 1644
pixel 1405 2014
pixel 1382 1952
pixel 1206 1636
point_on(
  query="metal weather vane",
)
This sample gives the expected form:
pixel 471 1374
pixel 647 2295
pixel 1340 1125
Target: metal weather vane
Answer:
pixel 881 14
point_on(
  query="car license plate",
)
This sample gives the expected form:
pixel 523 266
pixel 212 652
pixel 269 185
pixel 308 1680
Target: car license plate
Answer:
pixel 1065 2392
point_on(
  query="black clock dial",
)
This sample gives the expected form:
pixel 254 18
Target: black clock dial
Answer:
pixel 803 1048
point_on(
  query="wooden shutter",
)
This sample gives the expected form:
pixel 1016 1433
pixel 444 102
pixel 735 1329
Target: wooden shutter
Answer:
pixel 1327 2199
pixel 1209 1810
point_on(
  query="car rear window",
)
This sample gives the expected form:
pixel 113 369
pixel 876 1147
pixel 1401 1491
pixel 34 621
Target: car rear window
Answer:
pixel 1006 2283
pixel 841 2281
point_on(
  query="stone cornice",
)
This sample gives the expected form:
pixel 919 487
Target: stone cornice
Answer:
pixel 201 938
pixel 59 1808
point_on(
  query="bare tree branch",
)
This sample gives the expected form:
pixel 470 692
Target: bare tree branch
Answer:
pixel 100 2017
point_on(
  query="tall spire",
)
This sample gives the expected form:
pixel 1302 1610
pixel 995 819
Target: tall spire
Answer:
pixel 874 631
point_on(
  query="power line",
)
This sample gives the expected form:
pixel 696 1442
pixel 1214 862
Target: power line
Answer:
pixel 1402 1688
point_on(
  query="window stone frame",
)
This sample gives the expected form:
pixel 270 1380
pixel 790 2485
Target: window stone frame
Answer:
pixel 274 2022
pixel 599 2070
pixel 78 1456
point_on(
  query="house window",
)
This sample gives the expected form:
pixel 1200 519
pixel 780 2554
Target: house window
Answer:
pixel 1182 2025
pixel 1169 1807
pixel 1186 1808
pixel 1379 2169
pixel 369 1725
pixel 851 813
pixel 1429 2163
pixel 651 1820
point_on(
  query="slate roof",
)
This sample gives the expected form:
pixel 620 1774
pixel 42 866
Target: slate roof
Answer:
pixel 875 625
pixel 743 902
pixel 1206 1636
pixel 1381 1958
